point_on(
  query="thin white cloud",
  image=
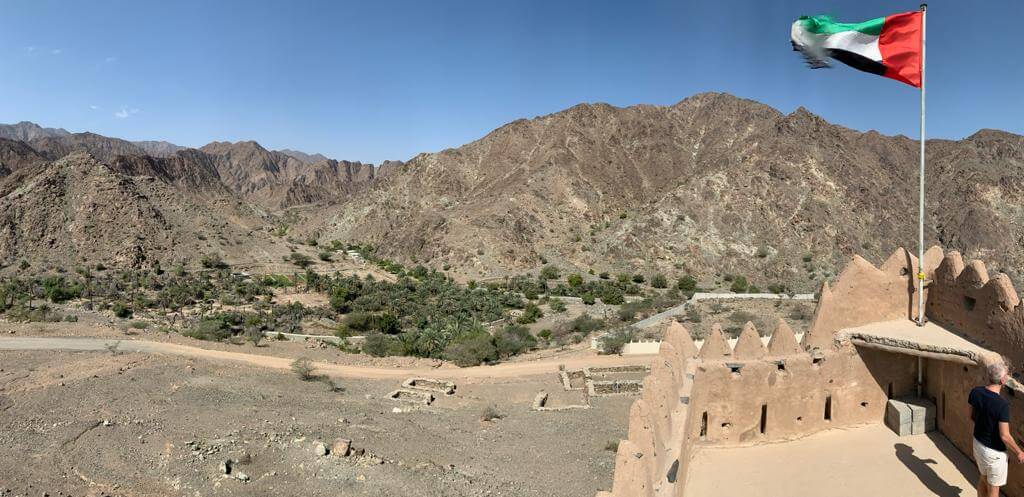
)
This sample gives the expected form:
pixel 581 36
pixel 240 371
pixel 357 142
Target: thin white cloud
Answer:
pixel 124 113
pixel 110 60
pixel 56 51
pixel 94 107
pixel 30 49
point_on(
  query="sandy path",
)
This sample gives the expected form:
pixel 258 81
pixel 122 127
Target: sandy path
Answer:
pixel 504 370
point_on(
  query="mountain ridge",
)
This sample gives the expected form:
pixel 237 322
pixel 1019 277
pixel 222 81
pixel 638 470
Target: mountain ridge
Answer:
pixel 709 186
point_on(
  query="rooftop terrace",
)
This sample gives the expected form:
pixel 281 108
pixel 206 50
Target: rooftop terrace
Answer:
pixel 854 462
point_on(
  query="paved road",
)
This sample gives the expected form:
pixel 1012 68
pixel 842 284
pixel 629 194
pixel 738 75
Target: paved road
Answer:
pixel 503 370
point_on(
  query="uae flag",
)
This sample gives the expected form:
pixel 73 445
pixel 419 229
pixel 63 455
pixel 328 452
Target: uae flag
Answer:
pixel 887 46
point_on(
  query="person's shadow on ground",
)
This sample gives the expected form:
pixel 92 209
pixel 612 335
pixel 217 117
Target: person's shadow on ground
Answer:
pixel 926 474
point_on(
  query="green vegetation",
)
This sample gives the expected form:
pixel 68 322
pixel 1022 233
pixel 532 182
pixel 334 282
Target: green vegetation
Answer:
pixel 423 312
pixel 659 281
pixel 303 368
pixel 301 260
pixel 212 261
pixel 613 342
pixel 687 284
pixel 549 272
pixel 531 313
pixel 574 280
pixel 739 283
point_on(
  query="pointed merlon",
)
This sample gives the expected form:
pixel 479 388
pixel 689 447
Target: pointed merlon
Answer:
pixel 817 335
pixel 975 275
pixel 1001 291
pixel 898 264
pixel 749 345
pixel 677 335
pixel 950 268
pixel 932 258
pixel 783 341
pixel 715 345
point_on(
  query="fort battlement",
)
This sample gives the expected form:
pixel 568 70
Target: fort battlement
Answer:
pixel 849 363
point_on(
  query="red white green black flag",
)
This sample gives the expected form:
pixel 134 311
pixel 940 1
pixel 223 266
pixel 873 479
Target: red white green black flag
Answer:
pixel 889 46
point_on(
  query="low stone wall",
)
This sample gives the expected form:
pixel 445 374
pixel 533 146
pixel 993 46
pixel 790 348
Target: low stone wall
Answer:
pixel 641 348
pixel 614 387
pixel 412 396
pixel 430 385
pixel 540 403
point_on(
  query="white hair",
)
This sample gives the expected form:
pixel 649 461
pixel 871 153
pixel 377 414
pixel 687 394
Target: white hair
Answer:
pixel 995 373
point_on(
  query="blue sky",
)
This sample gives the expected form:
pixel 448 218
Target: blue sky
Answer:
pixel 375 80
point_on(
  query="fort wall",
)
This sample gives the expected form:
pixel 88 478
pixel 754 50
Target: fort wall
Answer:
pixel 749 393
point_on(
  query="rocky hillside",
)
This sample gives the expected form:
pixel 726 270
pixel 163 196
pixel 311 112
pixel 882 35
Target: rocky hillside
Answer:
pixel 275 179
pixel 28 131
pixel 713 184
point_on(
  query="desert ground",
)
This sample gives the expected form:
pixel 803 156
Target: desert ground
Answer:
pixel 115 422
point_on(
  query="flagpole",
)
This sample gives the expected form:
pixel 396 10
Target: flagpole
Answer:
pixel 920 224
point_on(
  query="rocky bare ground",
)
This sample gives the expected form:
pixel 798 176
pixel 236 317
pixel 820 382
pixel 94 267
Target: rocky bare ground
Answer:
pixel 99 423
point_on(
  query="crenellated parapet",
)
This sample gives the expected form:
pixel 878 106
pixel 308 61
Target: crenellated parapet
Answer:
pixel 663 428
pixel 751 393
pixel 863 293
pixel 964 298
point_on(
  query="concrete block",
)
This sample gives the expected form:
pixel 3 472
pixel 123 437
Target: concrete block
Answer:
pixel 922 414
pixel 910 416
pixel 898 417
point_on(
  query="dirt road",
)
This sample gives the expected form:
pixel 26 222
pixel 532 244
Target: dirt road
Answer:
pixel 504 370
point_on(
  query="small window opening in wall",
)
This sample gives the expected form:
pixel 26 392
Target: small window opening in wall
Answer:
pixel 799 419
pixel 726 425
pixel 764 417
pixel 889 393
pixel 704 425
pixel 735 368
pixel 904 272
pixel 969 303
pixel 781 365
pixel 817 361
pixel 828 408
pixel 864 404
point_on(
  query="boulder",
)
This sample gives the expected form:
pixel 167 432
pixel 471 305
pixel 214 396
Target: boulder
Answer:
pixel 341 447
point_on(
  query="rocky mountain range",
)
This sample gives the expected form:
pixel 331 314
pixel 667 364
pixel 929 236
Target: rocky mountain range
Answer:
pixel 711 185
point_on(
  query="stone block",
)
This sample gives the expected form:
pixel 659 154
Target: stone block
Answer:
pixel 910 416
pixel 898 417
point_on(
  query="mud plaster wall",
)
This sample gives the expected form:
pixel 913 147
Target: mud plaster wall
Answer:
pixel 792 402
pixel 963 298
pixel 987 310
pixel 949 384
pixel 863 294
pixel 669 421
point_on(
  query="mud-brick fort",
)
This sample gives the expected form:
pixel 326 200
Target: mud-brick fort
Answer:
pixel 809 416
